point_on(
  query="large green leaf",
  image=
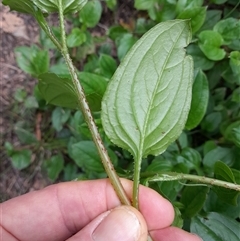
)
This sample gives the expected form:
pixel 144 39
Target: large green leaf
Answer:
pixel 200 95
pixel 69 6
pixel 147 101
pixel 21 159
pixel 216 227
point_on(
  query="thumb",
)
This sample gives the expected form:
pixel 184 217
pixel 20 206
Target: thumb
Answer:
pixel 121 223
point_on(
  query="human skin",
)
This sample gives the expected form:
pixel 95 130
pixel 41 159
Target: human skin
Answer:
pixel 88 210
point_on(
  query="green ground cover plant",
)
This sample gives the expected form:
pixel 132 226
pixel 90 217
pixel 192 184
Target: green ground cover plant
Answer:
pixel 161 101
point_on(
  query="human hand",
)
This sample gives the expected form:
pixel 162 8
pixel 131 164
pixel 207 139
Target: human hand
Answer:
pixel 88 211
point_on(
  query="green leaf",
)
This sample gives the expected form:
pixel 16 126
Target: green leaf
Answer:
pixel 236 95
pixel 54 166
pixel 211 122
pixel 91 13
pixel 107 65
pixel 229 29
pixel 76 38
pixel 193 199
pixel 25 136
pixel 94 87
pixel 178 220
pixel 86 156
pixel 57 91
pixel 21 159
pixel 143 4
pixel 209 43
pixel 223 172
pixel 212 17
pixel 215 227
pixel 60 91
pixel 200 95
pixel 197 16
pixel 22 6
pixel 30 103
pixel 217 154
pixel 60 117
pixel 20 95
pixel 200 60
pixel 69 6
pixel 230 131
pixel 111 4
pixel 32 60
pixel 124 44
pixel 192 157
pixel 115 32
pixel 70 172
pixel 147 101
pixel 218 1
pixel 235 63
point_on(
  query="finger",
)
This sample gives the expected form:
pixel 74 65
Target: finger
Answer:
pixel 173 234
pixel 122 223
pixel 59 211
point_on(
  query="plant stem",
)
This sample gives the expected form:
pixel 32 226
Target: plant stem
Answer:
pixel 171 176
pixel 136 180
pixel 88 117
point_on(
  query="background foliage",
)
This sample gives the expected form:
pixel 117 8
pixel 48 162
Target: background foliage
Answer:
pixel 210 142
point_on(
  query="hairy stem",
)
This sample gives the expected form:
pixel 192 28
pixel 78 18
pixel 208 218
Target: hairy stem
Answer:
pixel 88 117
pixel 136 178
pixel 171 176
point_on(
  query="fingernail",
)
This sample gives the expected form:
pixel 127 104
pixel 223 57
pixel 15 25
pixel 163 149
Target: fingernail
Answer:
pixel 120 224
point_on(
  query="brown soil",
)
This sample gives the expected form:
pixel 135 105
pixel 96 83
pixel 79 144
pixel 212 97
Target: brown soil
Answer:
pixel 16 30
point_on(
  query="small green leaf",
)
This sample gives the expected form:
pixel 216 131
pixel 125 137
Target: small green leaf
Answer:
pixel 76 38
pixel 212 17
pixel 147 101
pixel 209 43
pixel 57 91
pixel 235 63
pixel 70 172
pixel 218 1
pixel 143 4
pixel 197 16
pixel 192 157
pixel 9 148
pixel 25 136
pixel 211 122
pixel 200 60
pixel 218 154
pixel 193 199
pixel 215 227
pixel 236 95
pixel 94 87
pixel 178 220
pixel 200 95
pixel 229 29
pixel 107 65
pixel 20 95
pixel 54 166
pixel 59 118
pixel 31 103
pixel 21 159
pixel 111 4
pixel 124 44
pixel 223 172
pixel 91 13
pixel 32 60
pixel 115 32
pixel 86 156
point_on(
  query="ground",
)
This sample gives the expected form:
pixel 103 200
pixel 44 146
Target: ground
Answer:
pixel 16 30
